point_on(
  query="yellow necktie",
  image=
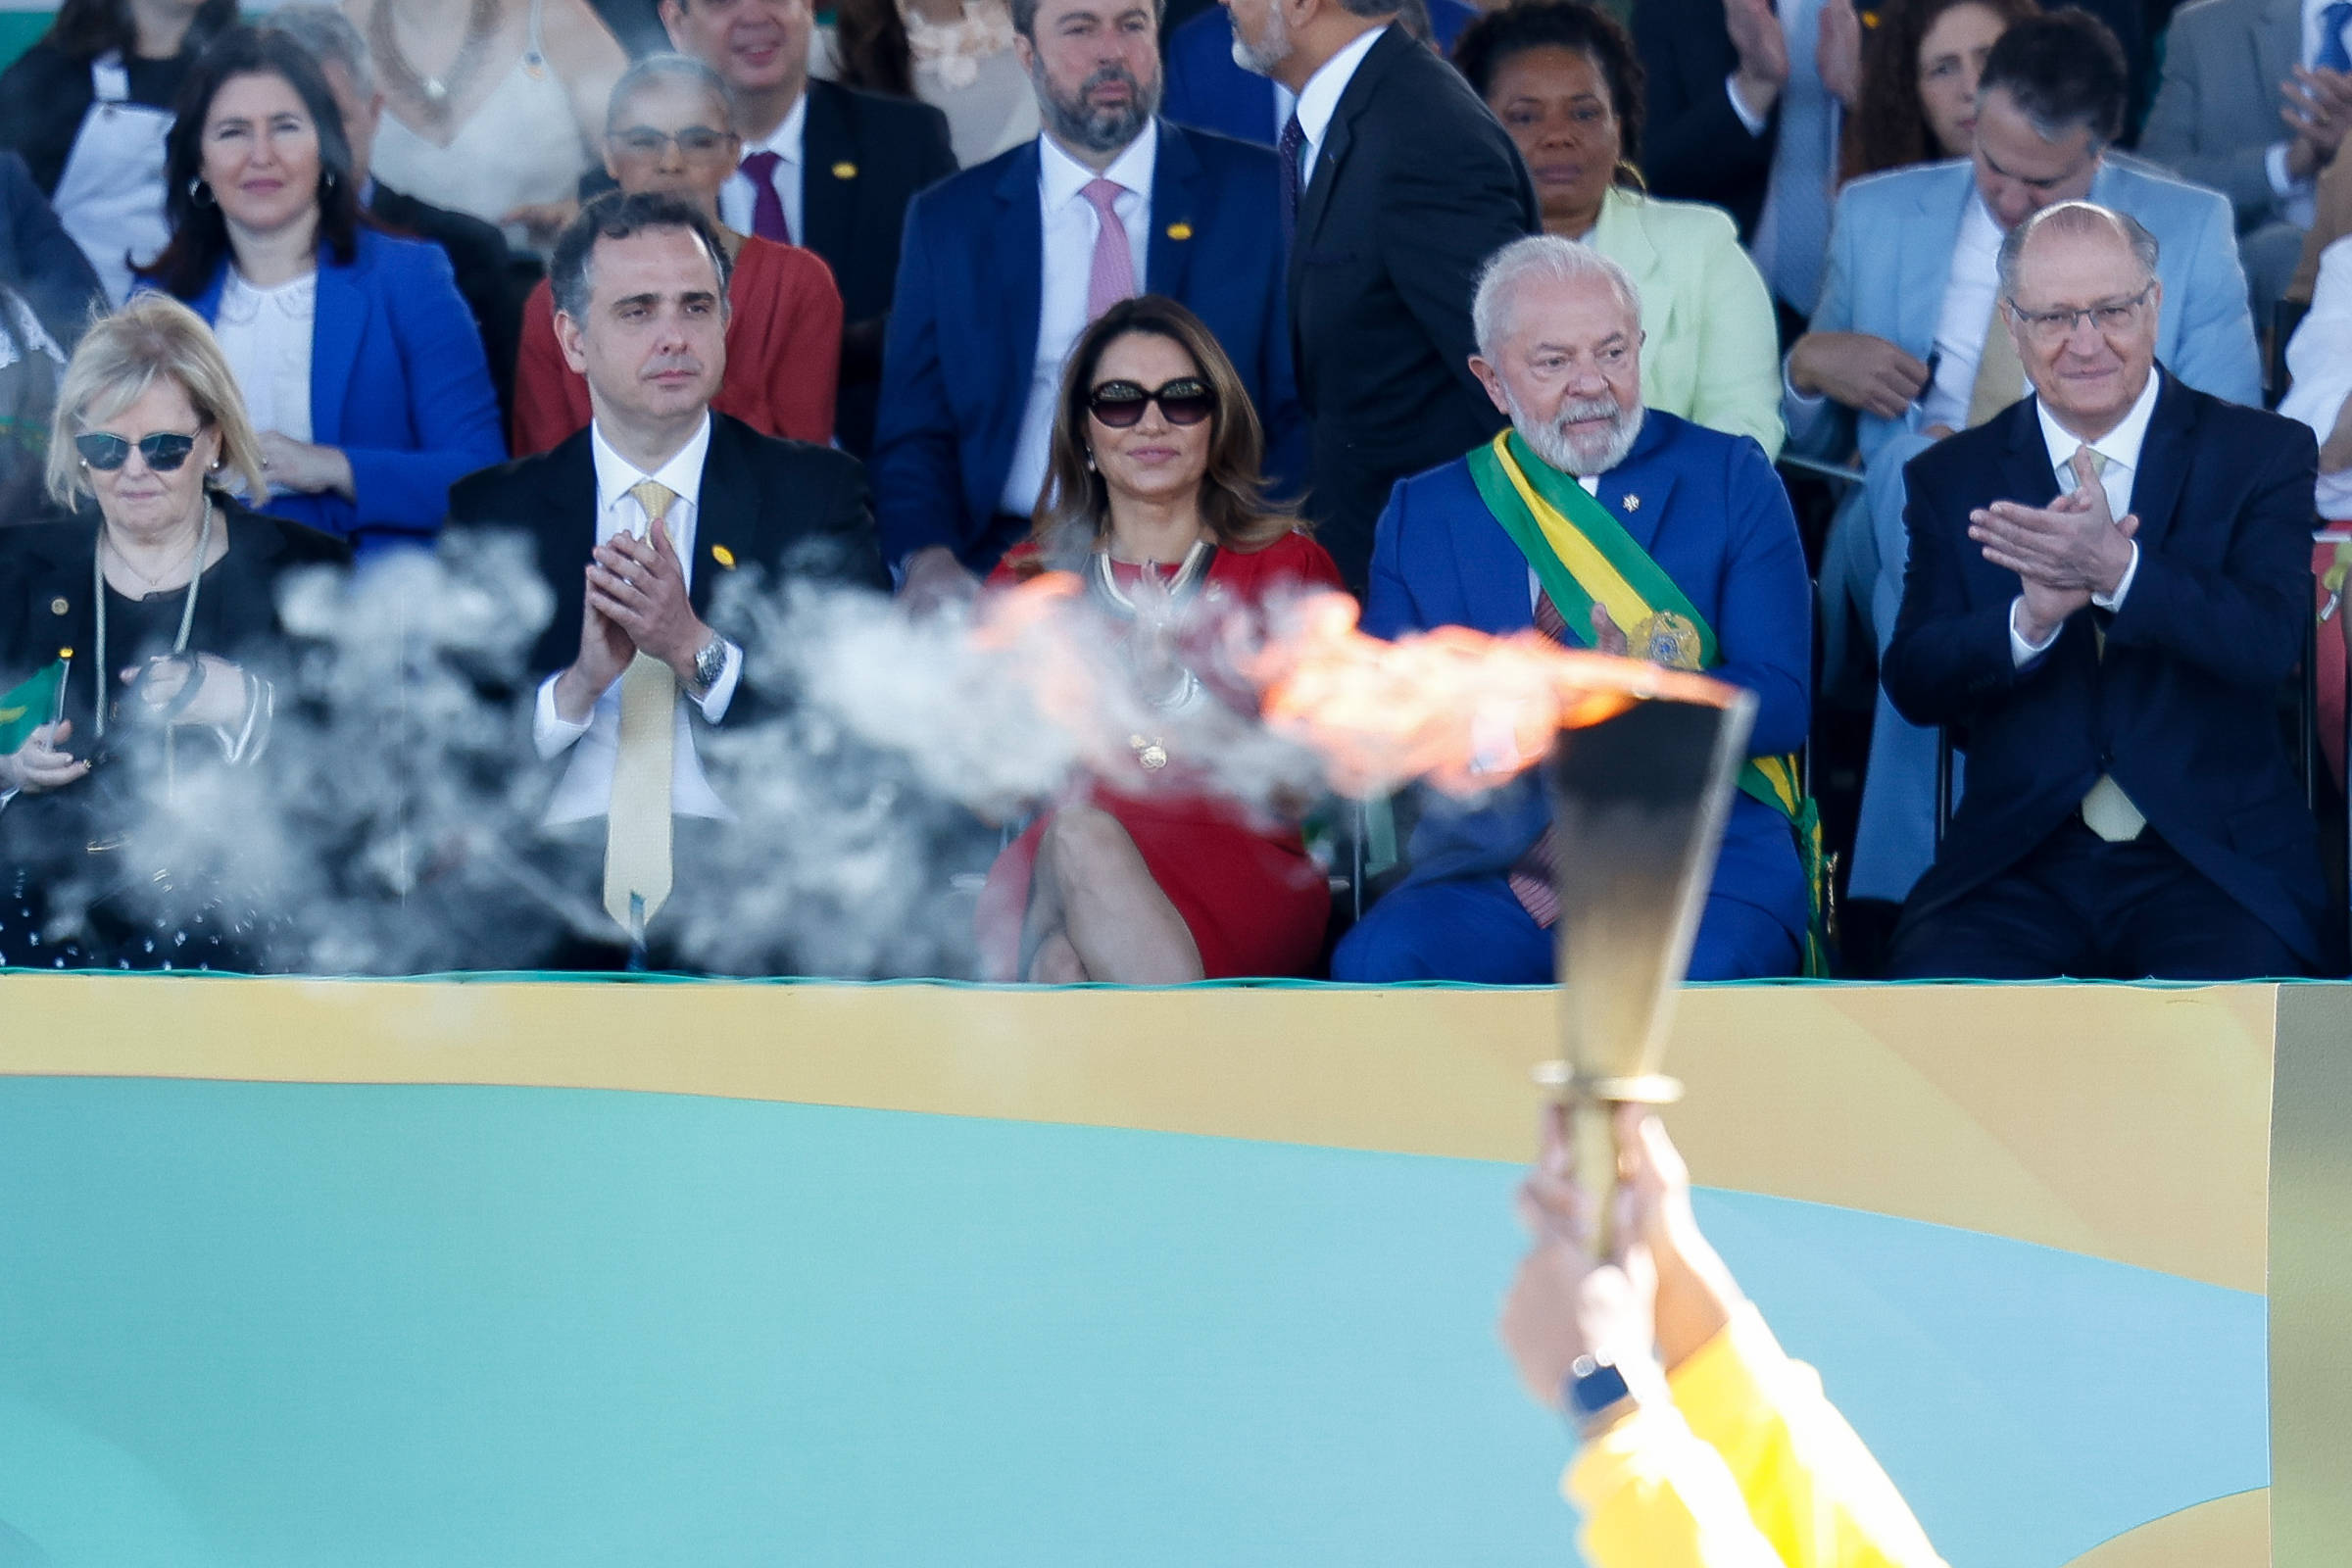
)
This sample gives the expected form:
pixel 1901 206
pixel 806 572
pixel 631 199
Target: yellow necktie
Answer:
pixel 2001 374
pixel 2107 810
pixel 637 866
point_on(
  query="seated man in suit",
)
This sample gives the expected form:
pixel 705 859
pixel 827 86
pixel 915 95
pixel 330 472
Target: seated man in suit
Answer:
pixel 1007 263
pixel 1900 353
pixel 2107 587
pixel 1209 89
pixel 1398 185
pixel 823 166
pixel 1708 573
pixel 635 520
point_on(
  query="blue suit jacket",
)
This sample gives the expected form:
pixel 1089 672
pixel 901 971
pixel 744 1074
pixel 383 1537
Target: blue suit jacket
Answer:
pixel 1710 511
pixel 1208 90
pixel 397 381
pixel 962 339
pixel 1891 256
pixel 2181 710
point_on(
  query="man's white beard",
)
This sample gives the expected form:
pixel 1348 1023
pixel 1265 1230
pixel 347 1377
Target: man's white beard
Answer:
pixel 1551 442
pixel 1261 63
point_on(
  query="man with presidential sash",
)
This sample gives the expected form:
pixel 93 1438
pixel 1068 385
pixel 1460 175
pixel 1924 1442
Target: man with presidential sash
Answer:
pixel 1608 526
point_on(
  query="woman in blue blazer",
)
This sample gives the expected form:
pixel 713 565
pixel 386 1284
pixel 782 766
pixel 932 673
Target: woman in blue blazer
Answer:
pixel 356 358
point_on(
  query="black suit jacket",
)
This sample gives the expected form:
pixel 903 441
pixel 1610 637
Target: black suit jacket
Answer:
pixel 2183 708
pixel 1415 188
pixel 478 252
pixel 787 507
pixel 1694 147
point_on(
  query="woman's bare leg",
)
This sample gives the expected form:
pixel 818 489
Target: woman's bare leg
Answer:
pixel 1111 912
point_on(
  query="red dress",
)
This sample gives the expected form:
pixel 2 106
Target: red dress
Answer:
pixel 1253 899
pixel 783 354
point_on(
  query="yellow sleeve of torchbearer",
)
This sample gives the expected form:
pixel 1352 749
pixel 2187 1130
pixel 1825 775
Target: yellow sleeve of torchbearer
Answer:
pixel 1812 1487
pixel 1653 1496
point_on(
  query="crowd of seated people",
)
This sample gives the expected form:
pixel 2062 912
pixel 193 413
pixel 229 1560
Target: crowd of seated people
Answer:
pixel 1434 306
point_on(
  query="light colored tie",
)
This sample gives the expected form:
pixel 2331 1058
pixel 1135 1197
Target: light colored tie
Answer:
pixel 1792 231
pixel 1113 276
pixel 637 862
pixel 2107 810
pixel 2001 374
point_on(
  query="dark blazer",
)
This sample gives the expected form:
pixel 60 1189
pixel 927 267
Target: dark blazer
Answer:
pixel 2182 708
pixel 1694 147
pixel 485 270
pixel 783 506
pixel 963 333
pixel 397 381
pixel 1415 186
pixel 40 258
pixel 1710 511
pixel 1209 90
pixel 45 599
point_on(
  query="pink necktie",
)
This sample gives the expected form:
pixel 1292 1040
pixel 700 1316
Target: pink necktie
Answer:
pixel 1114 275
pixel 767 203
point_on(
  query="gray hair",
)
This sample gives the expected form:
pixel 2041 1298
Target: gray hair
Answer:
pixel 1546 257
pixel 329 38
pixel 2075 218
pixel 668 68
pixel 153 336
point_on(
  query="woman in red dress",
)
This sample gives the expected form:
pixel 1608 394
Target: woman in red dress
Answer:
pixel 670 129
pixel 1153 500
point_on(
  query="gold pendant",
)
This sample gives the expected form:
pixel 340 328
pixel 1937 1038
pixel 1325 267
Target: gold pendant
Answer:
pixel 1665 638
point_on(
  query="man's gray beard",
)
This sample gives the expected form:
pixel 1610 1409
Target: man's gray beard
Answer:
pixel 1097 130
pixel 1276 51
pixel 1552 443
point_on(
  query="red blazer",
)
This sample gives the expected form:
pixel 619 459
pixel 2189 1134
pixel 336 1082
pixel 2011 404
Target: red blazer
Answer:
pixel 783 354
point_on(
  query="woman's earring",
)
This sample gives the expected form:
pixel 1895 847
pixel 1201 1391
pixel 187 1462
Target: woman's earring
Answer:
pixel 326 180
pixel 1090 460
pixel 199 193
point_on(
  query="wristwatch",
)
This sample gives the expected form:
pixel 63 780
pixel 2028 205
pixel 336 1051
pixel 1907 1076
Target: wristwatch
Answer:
pixel 709 664
pixel 1594 1389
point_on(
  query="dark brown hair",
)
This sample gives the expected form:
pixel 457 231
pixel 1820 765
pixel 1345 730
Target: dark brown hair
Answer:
pixel 869 43
pixel 1580 29
pixel 1888 128
pixel 84 29
pixel 1073 512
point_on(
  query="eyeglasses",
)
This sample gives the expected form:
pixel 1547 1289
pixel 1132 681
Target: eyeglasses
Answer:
pixel 2056 326
pixel 695 141
pixel 165 451
pixel 1119 405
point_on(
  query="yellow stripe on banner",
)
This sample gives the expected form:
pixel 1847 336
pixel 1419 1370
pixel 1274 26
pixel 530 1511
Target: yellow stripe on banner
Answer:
pixel 2124 1122
pixel 1590 569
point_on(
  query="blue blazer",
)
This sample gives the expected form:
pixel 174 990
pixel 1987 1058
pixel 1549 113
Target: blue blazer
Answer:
pixel 962 338
pixel 1205 88
pixel 1891 255
pixel 2181 710
pixel 1709 509
pixel 397 381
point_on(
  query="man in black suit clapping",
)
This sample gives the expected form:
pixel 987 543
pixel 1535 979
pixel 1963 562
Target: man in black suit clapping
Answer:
pixel 1399 184
pixel 2109 585
pixel 636 518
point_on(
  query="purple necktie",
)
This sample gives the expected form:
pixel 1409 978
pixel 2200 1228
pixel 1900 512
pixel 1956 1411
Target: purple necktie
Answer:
pixel 1113 276
pixel 1288 149
pixel 768 205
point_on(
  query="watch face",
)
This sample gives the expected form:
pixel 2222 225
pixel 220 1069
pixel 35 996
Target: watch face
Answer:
pixel 1591 1392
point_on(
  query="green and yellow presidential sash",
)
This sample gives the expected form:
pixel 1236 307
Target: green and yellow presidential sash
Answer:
pixel 1583 556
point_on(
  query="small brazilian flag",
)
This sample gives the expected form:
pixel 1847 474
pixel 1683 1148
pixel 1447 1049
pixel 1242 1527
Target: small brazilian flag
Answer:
pixel 30 707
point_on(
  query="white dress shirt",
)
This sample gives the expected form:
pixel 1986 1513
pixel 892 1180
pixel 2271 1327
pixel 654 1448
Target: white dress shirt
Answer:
pixel 2120 447
pixel 264 334
pixel 735 197
pixel 586 789
pixel 2298 198
pixel 2319 358
pixel 1286 104
pixel 1070 226
pixel 1319 99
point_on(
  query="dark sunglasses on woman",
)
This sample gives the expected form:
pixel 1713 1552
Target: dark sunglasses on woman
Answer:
pixel 165 451
pixel 1119 405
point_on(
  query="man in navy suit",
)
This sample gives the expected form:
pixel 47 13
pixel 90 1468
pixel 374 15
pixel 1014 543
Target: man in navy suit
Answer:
pixel 1209 88
pixel 1696 514
pixel 1006 264
pixel 2109 584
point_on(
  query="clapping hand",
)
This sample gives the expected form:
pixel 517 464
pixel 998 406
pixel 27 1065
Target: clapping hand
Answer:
pixel 1763 50
pixel 1837 55
pixel 639 585
pixel 2063 553
pixel 2317 107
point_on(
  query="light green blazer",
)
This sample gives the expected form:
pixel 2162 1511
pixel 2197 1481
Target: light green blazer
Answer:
pixel 1711 352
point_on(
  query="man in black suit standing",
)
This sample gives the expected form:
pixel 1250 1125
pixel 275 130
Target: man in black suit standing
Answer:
pixel 823 166
pixel 636 518
pixel 2109 585
pixel 1399 185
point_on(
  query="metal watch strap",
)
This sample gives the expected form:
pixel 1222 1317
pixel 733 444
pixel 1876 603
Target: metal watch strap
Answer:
pixel 709 663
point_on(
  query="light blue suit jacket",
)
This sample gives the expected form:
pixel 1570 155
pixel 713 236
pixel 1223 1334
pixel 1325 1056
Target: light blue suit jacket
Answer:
pixel 1891 257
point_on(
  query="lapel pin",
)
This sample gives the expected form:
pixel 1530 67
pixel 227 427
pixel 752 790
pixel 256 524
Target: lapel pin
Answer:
pixel 1180 231
pixel 58 606
pixel 1630 502
pixel 723 556
pixel 845 169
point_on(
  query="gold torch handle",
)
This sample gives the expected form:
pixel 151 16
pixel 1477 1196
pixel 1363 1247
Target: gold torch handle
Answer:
pixel 1593 1135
